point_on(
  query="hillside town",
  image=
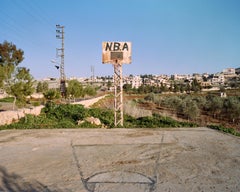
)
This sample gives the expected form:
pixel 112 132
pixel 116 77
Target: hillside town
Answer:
pixel 228 78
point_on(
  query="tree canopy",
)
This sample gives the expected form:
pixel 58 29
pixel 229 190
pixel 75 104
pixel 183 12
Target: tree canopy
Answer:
pixel 75 89
pixel 17 81
pixel 10 57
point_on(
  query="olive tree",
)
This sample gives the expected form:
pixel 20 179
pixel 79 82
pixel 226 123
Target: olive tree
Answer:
pixel 214 105
pixel 232 108
pixel 21 85
pixel 75 89
pixel 190 109
pixel 42 87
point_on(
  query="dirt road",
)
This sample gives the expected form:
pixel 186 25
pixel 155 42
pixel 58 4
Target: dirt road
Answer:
pixel 119 160
pixel 89 102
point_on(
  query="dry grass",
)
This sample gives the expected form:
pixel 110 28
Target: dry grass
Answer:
pixel 131 108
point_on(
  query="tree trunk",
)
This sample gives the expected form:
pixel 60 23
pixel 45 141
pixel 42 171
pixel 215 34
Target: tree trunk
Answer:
pixel 14 102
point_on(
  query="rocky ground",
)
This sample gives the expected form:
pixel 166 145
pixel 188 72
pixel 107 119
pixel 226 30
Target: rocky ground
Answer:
pixel 119 160
pixel 9 116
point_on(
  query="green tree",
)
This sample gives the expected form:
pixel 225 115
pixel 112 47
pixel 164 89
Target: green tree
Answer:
pixel 222 89
pixel 127 87
pixel 171 87
pixel 51 94
pixel 39 88
pixel 200 101
pixel 109 84
pixel 214 105
pixel 163 87
pixel 42 87
pixel 190 108
pixel 45 86
pixel 10 57
pixel 232 108
pixel 196 86
pixel 90 90
pixel 17 81
pixel 188 88
pixel 173 102
pixel 75 89
pixel 182 88
pixel 176 88
pixel 21 85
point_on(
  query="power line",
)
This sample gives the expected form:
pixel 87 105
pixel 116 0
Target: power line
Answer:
pixel 18 29
pixel 39 13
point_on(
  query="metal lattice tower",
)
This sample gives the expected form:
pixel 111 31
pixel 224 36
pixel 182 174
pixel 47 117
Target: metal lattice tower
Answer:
pixel 118 94
pixel 117 53
pixel 60 35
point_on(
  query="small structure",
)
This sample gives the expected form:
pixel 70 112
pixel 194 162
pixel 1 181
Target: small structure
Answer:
pixel 117 53
pixel 223 94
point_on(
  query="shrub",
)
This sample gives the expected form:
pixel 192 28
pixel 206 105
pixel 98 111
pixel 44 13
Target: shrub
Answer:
pixel 106 116
pixel 66 116
pixel 156 121
pixel 225 129
pixel 131 108
pixel 7 99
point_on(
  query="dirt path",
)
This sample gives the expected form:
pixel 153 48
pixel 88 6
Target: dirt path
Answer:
pixel 89 102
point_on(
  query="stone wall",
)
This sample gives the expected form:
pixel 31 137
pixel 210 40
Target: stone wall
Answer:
pixel 7 117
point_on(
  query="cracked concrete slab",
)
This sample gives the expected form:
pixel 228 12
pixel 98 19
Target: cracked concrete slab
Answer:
pixel 97 160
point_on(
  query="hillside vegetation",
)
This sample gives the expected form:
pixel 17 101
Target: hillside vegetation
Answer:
pixel 209 109
pixel 68 116
pixel 142 111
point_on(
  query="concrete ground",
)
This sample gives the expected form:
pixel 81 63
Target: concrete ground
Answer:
pixel 119 160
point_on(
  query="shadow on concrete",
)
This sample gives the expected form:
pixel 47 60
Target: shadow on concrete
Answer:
pixel 11 182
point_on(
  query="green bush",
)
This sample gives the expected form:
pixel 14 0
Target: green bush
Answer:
pixel 7 99
pixel 155 121
pixel 66 123
pixel 66 116
pixel 106 116
pixel 225 129
pixel 36 103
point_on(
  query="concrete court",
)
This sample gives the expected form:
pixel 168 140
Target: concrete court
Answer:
pixel 119 160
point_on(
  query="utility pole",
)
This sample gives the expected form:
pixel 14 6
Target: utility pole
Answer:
pixel 60 53
pixel 93 75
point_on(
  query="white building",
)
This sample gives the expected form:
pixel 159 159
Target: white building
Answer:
pixel 218 79
pixel 229 71
pixel 135 81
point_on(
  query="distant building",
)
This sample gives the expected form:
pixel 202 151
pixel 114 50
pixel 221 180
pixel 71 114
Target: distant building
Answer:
pixel 136 82
pixel 229 71
pixel 181 77
pixel 223 94
pixel 53 83
pixel 218 79
pixel 205 84
pixel 237 71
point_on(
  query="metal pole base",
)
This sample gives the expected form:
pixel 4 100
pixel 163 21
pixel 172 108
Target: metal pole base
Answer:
pixel 118 94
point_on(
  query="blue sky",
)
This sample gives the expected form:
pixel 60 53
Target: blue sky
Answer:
pixel 168 36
